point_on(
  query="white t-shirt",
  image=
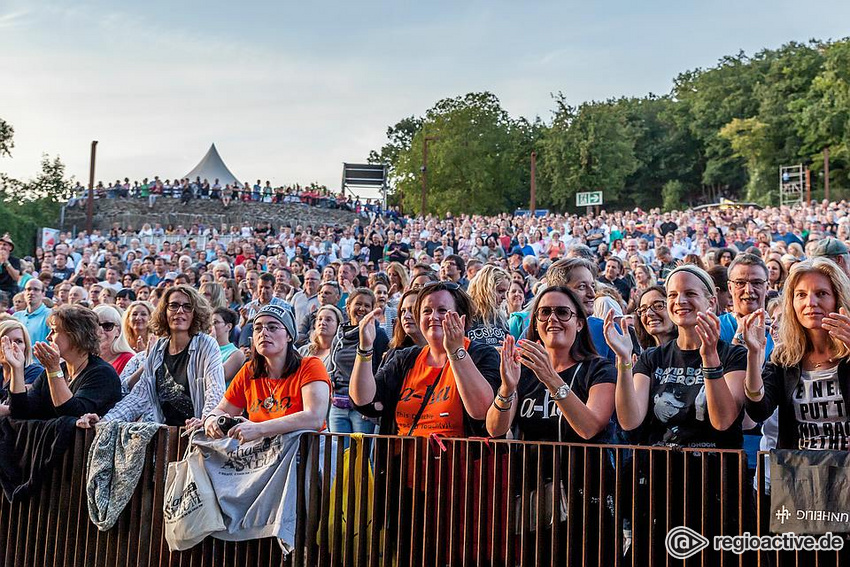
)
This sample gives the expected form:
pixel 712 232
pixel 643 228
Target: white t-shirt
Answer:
pixel 822 419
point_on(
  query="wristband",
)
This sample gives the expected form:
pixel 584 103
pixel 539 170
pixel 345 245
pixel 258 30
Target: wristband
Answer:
pixel 57 374
pixel 364 357
pixel 506 400
pixel 757 394
pixel 625 365
pixel 362 352
pixel 502 409
pixel 714 373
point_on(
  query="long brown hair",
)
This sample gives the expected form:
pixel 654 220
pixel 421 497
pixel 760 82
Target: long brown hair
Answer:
pixel 582 348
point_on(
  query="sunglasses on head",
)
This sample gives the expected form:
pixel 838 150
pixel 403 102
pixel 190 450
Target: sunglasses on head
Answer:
pixel 450 286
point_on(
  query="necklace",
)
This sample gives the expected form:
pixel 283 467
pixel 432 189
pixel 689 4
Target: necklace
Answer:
pixel 270 401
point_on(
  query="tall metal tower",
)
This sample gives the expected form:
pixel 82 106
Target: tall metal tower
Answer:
pixel 792 185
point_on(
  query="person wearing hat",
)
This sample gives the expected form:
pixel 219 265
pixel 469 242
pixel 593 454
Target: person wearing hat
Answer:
pixel 836 251
pixel 10 266
pixel 280 390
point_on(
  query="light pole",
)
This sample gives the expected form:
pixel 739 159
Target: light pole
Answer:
pixel 424 170
pixel 90 203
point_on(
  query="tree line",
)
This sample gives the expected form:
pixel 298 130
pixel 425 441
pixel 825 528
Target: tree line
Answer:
pixel 723 131
pixel 26 206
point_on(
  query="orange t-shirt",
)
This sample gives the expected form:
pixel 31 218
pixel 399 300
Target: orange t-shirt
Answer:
pixel 246 391
pixel 444 412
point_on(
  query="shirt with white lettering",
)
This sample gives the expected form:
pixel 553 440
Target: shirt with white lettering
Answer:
pixel 822 419
pixel 678 408
pixel 538 416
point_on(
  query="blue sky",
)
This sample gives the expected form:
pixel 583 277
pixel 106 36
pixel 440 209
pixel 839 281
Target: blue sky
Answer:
pixel 289 91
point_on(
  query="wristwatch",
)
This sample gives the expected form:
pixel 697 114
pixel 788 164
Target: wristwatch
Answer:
pixel 561 392
pixel 738 338
pixel 459 354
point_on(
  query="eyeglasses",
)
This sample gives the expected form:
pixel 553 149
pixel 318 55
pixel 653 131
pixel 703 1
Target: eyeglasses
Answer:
pixel 175 307
pixel 561 312
pixel 272 328
pixel 656 306
pixel 107 326
pixel 741 284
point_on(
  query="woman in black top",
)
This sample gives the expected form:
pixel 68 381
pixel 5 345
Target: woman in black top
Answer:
pixel 83 383
pixel 562 377
pixel 687 392
pixel 807 376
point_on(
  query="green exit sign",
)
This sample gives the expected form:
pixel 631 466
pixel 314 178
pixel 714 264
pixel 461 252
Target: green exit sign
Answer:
pixel 589 199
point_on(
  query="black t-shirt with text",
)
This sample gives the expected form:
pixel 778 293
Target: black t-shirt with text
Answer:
pixel 678 410
pixel 538 416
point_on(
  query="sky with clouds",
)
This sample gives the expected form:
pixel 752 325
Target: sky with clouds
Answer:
pixel 288 91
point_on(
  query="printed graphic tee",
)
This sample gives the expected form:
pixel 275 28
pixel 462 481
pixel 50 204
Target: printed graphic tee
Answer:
pixel 267 398
pixel 443 413
pixel 678 411
pixel 822 419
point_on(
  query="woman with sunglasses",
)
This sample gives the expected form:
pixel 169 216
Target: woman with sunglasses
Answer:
pixel 183 377
pixel 653 326
pixel 465 373
pixel 556 363
pixel 75 379
pixel 687 392
pixel 113 346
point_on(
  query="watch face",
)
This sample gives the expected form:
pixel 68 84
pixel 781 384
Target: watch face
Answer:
pixel 460 353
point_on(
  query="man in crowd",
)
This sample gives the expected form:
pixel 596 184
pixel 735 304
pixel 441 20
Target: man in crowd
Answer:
pixel 10 267
pixel 34 317
pixel 836 251
pixel 747 281
pixel 611 276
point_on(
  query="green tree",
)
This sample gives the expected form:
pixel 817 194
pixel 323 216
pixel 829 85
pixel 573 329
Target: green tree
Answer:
pixel 474 160
pixel 823 114
pixel 588 148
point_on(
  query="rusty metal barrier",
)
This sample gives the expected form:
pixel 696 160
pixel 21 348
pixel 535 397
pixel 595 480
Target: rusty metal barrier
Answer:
pixel 396 501
pixel 52 526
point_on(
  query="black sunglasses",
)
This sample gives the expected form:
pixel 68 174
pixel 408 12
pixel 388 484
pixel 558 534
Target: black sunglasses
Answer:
pixel 449 286
pixel 107 326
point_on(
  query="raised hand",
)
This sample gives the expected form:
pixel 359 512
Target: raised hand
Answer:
pixel 708 329
pixel 11 353
pixel 618 340
pixel 753 329
pixel 838 325
pixel 368 330
pixel 454 331
pixel 535 357
pixel 509 366
pixel 47 355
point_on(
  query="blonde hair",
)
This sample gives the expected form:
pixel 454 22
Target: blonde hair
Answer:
pixel 9 325
pixel 111 314
pixel 482 290
pixel 216 294
pixel 313 347
pixel 793 341
pixel 401 271
pixel 126 324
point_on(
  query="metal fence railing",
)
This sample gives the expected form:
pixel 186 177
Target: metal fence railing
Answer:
pixel 392 501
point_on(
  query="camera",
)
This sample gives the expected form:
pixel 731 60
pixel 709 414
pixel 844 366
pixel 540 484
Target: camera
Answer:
pixel 226 423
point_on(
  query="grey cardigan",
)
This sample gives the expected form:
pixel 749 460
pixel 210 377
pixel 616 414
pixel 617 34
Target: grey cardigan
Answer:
pixel 206 382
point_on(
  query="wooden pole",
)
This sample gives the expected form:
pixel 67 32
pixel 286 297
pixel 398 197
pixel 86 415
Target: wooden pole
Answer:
pixel 826 173
pixel 90 204
pixel 424 176
pixel 533 205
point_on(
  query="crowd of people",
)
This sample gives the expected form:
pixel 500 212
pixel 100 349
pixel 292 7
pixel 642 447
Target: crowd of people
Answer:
pixel 187 189
pixel 714 328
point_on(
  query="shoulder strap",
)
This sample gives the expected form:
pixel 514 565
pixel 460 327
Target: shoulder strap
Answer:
pixel 428 391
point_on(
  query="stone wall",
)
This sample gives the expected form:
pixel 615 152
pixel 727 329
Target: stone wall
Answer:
pixel 135 213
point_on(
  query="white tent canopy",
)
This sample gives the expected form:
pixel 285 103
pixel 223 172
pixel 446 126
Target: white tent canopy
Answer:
pixel 212 167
